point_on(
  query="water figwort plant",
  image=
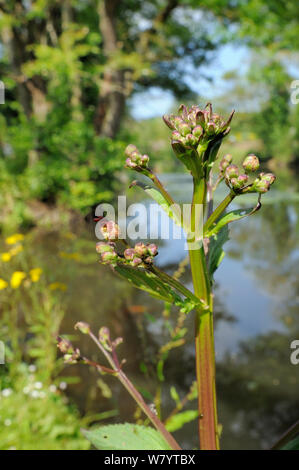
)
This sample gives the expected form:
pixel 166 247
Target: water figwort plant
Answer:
pixel 196 137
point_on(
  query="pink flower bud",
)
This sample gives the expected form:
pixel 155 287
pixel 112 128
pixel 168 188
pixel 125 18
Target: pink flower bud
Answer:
pixel 136 261
pixel 110 230
pixel 129 253
pixel 232 171
pixel 140 249
pixel 197 131
pixel 224 163
pixel 190 139
pixel 152 249
pixel 102 247
pixel 64 345
pixel 83 327
pixel 131 150
pixel 269 177
pixel 108 258
pixel 251 163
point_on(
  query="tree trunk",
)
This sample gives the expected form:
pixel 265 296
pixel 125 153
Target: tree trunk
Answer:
pixel 112 98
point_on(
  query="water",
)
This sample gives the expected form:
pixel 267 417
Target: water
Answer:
pixel 256 309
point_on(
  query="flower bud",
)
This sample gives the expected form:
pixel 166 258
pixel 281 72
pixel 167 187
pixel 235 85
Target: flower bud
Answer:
pixel 243 179
pixel 251 163
pixel 104 338
pixel 269 177
pixel 232 171
pixel 130 164
pixel 211 128
pixel 83 327
pixel 190 139
pixel 152 249
pixel 72 358
pixel 131 151
pixel 102 247
pixel 110 230
pixel 169 121
pixel 140 249
pixel 226 160
pixel 197 131
pixel 184 129
pixel 129 253
pixel 136 261
pixel 178 121
pixel 64 345
pixel 108 257
pixel 261 186
pixel 177 136
pixel 144 160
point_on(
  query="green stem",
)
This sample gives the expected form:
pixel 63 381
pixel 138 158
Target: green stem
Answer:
pixel 161 188
pixel 204 334
pixel 218 211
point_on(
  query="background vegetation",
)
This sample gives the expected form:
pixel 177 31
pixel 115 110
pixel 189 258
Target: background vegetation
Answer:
pixel 74 73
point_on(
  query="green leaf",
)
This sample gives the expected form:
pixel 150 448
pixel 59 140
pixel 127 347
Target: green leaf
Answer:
pixel 150 283
pixel 228 218
pixel 173 211
pixel 216 252
pixel 178 420
pixel 126 437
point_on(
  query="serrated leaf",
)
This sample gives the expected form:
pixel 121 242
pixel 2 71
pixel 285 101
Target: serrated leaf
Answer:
pixel 177 421
pixel 150 283
pixel 126 437
pixel 228 218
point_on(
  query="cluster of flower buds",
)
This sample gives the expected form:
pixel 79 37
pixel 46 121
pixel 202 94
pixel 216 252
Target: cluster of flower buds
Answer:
pixel 140 254
pixel 71 355
pixel 135 160
pixel 240 182
pixel 194 126
pixel 262 183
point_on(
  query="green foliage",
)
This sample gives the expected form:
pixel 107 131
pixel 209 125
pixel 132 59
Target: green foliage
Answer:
pixel 180 419
pixel 126 437
pixel 156 287
pixel 272 122
pixel 35 415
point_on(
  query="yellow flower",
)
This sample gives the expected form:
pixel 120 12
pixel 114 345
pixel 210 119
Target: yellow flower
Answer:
pixel 15 250
pixel 57 285
pixel 13 239
pixel 3 284
pixel 17 278
pixel 35 274
pixel 6 257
